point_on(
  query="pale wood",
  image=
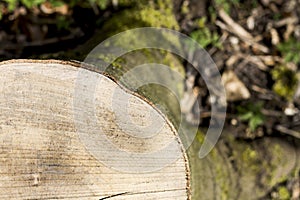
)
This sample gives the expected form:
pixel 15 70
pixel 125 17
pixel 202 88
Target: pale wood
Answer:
pixel 42 156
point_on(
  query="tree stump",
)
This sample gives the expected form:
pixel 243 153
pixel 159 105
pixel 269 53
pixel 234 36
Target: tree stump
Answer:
pixel 61 139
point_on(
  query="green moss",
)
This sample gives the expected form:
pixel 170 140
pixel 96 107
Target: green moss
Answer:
pixel 204 36
pixel 226 4
pixel 283 193
pixel 250 159
pixel 160 15
pixel 278 159
pixel 11 4
pixel 290 50
pixel 285 81
pixel 277 16
pixel 200 137
pixel 157 94
pixel 249 154
pixel 201 23
pixel 63 23
pixel 254 4
pixel 221 180
pixel 185 8
pixel 143 14
pixel 1 10
pixel 251 113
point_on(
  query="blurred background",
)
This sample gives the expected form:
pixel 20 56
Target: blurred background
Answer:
pixel 256 47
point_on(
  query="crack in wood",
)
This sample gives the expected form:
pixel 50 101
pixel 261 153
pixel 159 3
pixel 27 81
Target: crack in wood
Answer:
pixel 135 193
pixel 114 195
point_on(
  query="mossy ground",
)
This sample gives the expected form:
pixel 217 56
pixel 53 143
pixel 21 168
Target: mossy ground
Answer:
pixel 241 169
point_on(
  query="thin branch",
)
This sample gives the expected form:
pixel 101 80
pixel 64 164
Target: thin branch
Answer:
pixel 239 31
pixel 287 131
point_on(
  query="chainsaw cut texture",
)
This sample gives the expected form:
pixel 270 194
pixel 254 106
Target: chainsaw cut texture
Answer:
pixel 46 126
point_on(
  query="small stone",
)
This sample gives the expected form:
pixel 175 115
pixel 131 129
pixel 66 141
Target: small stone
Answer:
pixel 234 122
pixel 275 36
pixel 291 110
pixel 251 23
pixel 234 87
pixel 234 40
pixel 268 60
pixel 265 2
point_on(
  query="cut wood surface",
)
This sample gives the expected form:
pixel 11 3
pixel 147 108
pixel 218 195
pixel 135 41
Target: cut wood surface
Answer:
pixel 56 143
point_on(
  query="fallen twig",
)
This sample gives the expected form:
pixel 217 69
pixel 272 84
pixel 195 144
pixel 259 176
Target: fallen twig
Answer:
pixel 255 60
pixel 287 131
pixel 239 31
pixel 285 21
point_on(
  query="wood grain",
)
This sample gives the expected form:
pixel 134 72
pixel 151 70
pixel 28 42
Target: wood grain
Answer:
pixel 43 154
